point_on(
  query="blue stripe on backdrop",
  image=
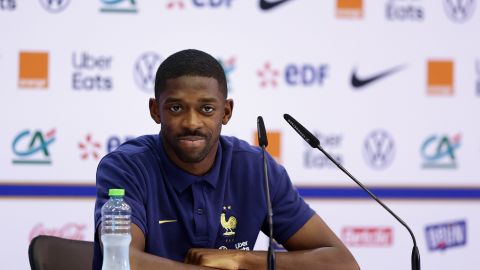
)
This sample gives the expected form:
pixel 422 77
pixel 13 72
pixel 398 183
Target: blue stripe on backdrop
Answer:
pixel 47 190
pixel 453 193
pixel 88 191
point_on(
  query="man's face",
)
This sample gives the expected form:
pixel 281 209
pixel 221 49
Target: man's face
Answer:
pixel 192 110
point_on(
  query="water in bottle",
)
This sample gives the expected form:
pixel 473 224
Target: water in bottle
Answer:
pixel 115 231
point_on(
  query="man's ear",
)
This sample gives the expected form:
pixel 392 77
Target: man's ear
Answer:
pixel 228 110
pixel 154 111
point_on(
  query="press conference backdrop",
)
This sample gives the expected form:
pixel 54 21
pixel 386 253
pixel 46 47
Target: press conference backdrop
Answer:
pixel 390 87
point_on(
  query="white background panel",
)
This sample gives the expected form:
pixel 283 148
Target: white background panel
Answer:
pixel 300 33
pixel 23 219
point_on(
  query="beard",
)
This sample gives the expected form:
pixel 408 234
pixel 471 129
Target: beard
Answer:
pixel 193 156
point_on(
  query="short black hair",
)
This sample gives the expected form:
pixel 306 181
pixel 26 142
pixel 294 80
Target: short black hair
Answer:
pixel 190 63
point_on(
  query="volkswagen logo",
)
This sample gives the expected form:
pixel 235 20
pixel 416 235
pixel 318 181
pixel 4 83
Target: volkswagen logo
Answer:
pixel 379 149
pixel 459 10
pixel 145 70
pixel 54 6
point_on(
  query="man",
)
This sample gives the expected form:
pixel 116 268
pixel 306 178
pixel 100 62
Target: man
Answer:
pixel 197 197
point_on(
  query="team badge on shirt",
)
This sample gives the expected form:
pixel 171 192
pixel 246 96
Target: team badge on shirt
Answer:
pixel 229 224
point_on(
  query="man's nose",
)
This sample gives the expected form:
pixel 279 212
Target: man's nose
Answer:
pixel 192 120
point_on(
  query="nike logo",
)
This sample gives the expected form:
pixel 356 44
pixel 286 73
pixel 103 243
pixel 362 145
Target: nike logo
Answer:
pixel 361 82
pixel 268 4
pixel 166 221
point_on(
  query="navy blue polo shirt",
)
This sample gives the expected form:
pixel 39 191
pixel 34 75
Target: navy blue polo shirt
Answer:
pixel 225 208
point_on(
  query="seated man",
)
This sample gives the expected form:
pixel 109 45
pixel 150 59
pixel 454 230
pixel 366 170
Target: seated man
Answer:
pixel 197 197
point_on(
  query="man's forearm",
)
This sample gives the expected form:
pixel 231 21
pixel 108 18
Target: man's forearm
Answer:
pixel 330 258
pixel 140 260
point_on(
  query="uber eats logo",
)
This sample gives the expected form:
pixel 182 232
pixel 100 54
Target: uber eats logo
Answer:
pixel 332 142
pixel 91 72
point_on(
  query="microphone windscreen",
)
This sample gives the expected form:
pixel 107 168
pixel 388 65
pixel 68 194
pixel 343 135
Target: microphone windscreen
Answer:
pixel 262 134
pixel 302 131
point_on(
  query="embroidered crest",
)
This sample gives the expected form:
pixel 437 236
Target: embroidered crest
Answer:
pixel 229 225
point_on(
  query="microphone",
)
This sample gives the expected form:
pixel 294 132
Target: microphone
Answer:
pixel 315 143
pixel 302 131
pixel 262 134
pixel 263 142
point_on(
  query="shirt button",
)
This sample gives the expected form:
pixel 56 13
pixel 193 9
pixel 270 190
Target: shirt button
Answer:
pixel 199 211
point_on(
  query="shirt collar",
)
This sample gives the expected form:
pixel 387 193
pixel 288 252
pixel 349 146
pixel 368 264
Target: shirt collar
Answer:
pixel 181 179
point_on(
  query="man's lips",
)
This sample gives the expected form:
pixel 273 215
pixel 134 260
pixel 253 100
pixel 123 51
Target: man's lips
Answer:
pixel 191 138
pixel 191 141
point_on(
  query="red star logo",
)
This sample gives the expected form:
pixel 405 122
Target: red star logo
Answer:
pixel 175 4
pixel 268 75
pixel 89 148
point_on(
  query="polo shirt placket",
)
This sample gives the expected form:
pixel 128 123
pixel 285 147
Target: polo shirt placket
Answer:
pixel 200 215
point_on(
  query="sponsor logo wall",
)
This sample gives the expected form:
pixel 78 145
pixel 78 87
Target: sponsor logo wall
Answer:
pixel 367 236
pixel 91 72
pixel 440 78
pixel 8 5
pixel 32 147
pixel 459 11
pixel 444 236
pixel 145 69
pixel 33 70
pixel 405 10
pixel 391 89
pixel 54 6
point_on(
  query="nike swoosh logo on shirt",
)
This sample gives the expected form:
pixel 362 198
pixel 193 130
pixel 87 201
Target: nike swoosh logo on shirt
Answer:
pixel 166 221
pixel 361 82
pixel 266 5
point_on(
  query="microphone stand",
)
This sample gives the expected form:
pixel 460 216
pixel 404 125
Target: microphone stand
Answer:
pixel 263 142
pixel 315 143
pixel 271 252
pixel 415 252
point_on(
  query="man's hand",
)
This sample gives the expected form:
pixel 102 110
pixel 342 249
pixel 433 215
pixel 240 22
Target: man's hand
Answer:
pixel 314 246
pixel 218 258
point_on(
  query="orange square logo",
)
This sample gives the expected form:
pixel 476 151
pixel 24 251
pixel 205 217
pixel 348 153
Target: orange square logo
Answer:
pixel 33 70
pixel 440 78
pixel 273 147
pixel 352 9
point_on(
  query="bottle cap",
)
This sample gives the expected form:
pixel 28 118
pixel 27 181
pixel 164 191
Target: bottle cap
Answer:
pixel 116 192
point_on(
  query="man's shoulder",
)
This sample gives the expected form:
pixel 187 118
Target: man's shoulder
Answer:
pixel 238 146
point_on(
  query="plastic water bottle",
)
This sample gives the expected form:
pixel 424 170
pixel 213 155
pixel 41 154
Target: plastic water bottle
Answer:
pixel 115 231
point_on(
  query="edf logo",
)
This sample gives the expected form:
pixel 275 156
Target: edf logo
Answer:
pixel 212 3
pixel 115 141
pixel 305 75
pixel 180 4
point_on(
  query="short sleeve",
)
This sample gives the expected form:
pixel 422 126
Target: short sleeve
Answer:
pixel 290 211
pixel 117 170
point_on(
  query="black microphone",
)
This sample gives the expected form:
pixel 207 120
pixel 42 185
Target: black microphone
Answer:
pixel 315 143
pixel 262 134
pixel 263 142
pixel 304 133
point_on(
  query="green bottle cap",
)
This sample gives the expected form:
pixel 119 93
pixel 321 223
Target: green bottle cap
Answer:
pixel 116 192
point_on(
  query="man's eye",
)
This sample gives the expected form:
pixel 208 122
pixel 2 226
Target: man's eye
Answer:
pixel 208 109
pixel 175 108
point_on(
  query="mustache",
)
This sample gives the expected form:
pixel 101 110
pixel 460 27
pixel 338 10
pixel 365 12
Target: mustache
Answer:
pixel 192 133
